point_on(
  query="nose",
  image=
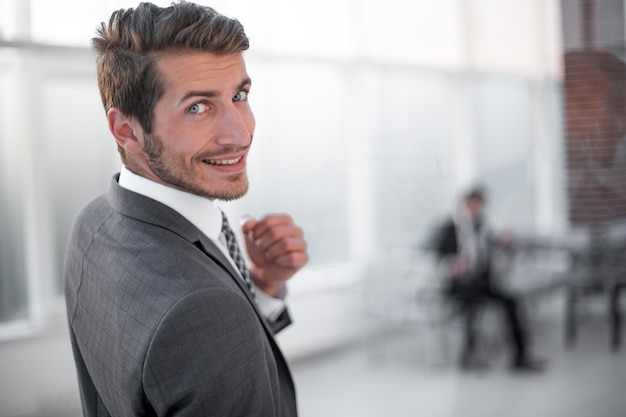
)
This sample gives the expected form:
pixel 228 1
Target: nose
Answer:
pixel 235 127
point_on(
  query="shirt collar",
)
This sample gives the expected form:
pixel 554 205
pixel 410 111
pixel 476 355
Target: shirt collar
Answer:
pixel 200 211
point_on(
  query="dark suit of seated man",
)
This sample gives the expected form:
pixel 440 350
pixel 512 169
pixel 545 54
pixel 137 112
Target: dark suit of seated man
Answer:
pixel 463 245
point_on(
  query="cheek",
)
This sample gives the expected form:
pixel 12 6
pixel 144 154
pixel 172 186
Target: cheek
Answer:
pixel 248 119
pixel 179 149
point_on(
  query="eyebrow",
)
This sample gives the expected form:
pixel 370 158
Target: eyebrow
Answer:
pixel 211 93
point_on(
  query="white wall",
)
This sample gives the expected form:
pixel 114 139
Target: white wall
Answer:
pixel 38 377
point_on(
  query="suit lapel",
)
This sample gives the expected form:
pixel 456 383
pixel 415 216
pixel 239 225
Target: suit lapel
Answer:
pixel 207 246
pixel 212 251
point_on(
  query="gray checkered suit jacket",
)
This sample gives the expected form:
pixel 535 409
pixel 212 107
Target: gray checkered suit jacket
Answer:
pixel 160 323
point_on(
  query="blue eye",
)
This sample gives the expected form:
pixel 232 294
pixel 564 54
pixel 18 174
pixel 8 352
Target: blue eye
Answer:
pixel 241 96
pixel 197 108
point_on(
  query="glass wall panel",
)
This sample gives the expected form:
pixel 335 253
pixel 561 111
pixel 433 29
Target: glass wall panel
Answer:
pixel 558 200
pixel 79 154
pixel 8 23
pixel 503 126
pixel 505 35
pixel 73 22
pixel 422 32
pixel 64 22
pixel 297 160
pixel 407 113
pixel 13 282
pixel 320 28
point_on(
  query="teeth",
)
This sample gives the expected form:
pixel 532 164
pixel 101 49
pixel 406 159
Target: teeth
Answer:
pixel 224 161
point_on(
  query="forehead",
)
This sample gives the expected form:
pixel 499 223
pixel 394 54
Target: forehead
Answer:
pixel 191 70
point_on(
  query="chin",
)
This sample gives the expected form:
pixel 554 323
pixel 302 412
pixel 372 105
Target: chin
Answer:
pixel 227 196
pixel 233 191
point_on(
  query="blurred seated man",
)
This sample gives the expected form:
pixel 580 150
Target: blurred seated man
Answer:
pixel 463 247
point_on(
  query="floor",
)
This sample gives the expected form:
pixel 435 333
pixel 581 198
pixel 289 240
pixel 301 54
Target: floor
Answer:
pixel 398 374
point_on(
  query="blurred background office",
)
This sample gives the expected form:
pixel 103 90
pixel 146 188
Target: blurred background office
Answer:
pixel 372 117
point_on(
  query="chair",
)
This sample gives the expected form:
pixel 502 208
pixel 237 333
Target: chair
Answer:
pixel 443 317
pixel 598 272
pixel 402 288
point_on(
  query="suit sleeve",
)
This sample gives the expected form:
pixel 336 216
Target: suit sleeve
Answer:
pixel 446 242
pixel 281 322
pixel 210 357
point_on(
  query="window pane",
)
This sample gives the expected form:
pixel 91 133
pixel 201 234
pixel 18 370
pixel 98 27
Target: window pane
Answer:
pixel 407 116
pixel 8 19
pixel 73 22
pixel 521 37
pixel 78 153
pixel 503 143
pixel 422 32
pixel 297 165
pixel 12 243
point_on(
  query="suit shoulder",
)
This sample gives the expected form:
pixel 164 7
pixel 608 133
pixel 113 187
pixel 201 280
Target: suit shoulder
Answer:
pixel 93 212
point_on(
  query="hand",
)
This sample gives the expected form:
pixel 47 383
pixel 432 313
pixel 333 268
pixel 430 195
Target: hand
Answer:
pixel 276 249
pixel 460 267
pixel 506 239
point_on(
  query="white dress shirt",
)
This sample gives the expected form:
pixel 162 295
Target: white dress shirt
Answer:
pixel 203 214
pixel 473 244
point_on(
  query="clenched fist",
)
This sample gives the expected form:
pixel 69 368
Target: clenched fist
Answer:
pixel 276 249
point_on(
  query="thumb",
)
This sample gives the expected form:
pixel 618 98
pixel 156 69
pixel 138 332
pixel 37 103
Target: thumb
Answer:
pixel 247 224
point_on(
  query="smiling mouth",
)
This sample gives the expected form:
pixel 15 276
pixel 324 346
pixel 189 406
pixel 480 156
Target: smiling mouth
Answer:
pixel 222 162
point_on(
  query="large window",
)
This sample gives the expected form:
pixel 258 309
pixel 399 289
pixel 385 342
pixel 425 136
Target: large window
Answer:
pixel 55 156
pixel 371 117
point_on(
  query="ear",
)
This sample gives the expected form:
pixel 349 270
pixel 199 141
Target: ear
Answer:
pixel 126 130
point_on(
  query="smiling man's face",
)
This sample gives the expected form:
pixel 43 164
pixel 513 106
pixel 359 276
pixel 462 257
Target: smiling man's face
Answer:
pixel 202 126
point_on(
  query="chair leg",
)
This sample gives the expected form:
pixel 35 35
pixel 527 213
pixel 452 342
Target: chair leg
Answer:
pixel 570 317
pixel 616 318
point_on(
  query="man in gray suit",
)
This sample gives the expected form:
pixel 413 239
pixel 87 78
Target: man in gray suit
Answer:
pixel 165 317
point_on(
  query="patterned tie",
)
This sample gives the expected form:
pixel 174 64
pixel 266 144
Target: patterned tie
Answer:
pixel 235 253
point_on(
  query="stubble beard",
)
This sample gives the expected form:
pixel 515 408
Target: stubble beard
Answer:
pixel 182 179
